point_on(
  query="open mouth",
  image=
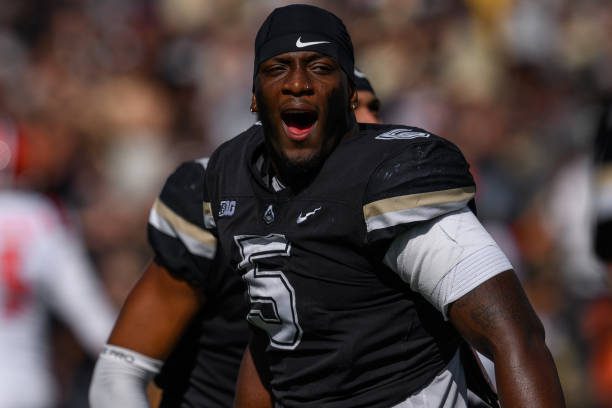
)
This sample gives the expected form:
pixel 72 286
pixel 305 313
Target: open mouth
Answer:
pixel 298 123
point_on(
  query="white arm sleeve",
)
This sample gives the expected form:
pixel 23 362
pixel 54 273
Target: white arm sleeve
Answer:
pixel 445 258
pixel 120 378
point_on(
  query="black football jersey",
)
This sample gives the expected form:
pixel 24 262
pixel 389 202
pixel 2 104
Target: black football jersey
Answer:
pixel 202 369
pixel 333 326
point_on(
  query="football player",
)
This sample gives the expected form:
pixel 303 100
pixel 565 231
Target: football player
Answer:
pixel 368 104
pixel 367 270
pixel 183 311
pixel 179 316
pixel 43 268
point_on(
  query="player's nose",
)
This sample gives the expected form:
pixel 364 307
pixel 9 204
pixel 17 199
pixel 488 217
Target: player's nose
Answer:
pixel 297 83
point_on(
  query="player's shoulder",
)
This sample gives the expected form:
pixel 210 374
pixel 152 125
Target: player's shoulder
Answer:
pixel 397 138
pixel 188 172
pixel 406 148
pixel 184 185
pixel 420 176
pixel 393 132
pixel 412 160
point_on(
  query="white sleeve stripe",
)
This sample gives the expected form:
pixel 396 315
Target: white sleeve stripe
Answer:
pixel 415 207
pixel 198 241
pixel 472 272
pixel 180 224
pixel 407 216
pixel 160 224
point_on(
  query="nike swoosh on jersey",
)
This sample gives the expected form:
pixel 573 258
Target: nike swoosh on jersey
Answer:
pixel 301 44
pixel 301 218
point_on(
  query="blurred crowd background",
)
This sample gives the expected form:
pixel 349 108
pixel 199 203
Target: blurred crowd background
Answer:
pixel 108 96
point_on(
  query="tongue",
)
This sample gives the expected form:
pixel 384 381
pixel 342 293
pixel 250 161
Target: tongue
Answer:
pixel 298 130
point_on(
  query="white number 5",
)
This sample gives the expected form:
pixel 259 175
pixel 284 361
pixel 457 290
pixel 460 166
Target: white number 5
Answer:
pixel 271 295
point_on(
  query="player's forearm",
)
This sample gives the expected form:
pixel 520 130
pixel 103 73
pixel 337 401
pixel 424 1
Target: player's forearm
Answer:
pixel 497 319
pixel 527 377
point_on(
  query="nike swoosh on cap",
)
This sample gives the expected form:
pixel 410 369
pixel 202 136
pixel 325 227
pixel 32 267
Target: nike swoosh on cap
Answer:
pixel 301 44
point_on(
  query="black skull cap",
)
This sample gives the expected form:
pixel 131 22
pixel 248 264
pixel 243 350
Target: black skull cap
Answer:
pixel 302 27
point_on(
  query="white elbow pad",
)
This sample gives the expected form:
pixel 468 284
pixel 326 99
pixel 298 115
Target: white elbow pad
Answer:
pixel 120 378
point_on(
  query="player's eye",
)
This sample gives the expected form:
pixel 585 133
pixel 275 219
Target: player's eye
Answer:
pixel 274 69
pixel 277 68
pixel 321 68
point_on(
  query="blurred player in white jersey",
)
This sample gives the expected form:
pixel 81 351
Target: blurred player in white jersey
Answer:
pixel 43 268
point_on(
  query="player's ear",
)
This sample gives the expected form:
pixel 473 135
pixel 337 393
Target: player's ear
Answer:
pixel 353 99
pixel 253 104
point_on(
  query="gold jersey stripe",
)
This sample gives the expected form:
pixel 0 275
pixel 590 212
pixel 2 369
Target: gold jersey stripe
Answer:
pixel 406 202
pixel 209 220
pixel 183 226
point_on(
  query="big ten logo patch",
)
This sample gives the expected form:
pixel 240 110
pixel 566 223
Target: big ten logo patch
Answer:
pixel 227 208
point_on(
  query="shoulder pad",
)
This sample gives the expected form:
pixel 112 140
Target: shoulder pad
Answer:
pixel 179 211
pixel 424 179
pixel 184 188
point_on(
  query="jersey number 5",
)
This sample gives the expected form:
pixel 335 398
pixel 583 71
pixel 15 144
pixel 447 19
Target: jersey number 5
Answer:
pixel 271 296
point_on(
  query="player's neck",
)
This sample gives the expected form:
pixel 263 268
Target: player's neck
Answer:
pixel 298 175
pixel 293 175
